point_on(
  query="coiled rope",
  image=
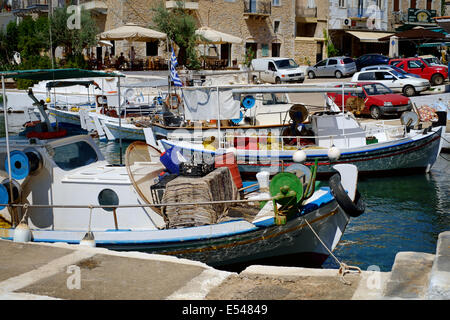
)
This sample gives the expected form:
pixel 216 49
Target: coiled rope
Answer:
pixel 343 268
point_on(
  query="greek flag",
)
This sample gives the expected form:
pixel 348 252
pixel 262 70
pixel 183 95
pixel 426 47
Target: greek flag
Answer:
pixel 173 73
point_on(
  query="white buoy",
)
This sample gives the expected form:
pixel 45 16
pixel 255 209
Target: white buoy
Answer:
pixel 299 156
pixel 22 233
pixel 334 153
pixel 263 181
pixel 88 240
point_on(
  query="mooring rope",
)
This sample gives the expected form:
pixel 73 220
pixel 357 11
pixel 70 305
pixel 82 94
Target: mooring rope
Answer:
pixel 343 268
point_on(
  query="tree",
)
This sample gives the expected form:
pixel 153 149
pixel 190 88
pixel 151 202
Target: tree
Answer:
pixel 180 28
pixel 74 40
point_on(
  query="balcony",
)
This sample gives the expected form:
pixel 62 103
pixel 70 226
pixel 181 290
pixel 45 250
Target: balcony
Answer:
pixel 305 12
pixel 186 5
pixel 25 8
pixel 259 9
pixel 365 13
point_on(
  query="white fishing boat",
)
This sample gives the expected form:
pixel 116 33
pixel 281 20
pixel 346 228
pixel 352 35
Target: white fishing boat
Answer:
pixel 373 148
pixel 63 190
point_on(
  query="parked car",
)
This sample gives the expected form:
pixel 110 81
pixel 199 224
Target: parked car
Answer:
pixel 435 74
pixel 431 60
pixel 378 100
pixel 395 81
pixel 332 67
pixel 391 67
pixel 370 59
pixel 277 70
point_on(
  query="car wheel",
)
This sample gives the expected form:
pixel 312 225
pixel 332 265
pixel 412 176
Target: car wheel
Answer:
pixel 277 80
pixel 375 112
pixel 409 91
pixel 311 75
pixel 338 74
pixel 437 79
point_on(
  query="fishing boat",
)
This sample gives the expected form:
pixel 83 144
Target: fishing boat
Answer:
pixel 374 148
pixel 201 212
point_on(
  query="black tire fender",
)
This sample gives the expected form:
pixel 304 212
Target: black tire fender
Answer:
pixel 353 209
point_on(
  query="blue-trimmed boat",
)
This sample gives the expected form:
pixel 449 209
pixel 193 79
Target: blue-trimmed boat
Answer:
pixel 374 148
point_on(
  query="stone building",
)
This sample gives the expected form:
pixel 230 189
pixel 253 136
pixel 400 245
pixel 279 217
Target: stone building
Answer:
pixel 311 17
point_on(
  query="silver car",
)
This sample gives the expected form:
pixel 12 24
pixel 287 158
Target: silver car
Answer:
pixel 332 67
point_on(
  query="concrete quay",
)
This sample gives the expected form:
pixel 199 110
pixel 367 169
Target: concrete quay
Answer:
pixel 31 271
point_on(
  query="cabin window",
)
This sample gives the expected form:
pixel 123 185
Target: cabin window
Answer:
pixel 108 197
pixel 74 155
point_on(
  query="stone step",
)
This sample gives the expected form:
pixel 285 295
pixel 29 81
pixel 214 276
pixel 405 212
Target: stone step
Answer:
pixel 439 285
pixel 409 276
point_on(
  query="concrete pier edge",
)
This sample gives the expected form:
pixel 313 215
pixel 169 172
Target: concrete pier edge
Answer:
pixel 36 271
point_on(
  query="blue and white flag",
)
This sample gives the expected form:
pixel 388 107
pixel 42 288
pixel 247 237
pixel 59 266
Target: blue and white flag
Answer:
pixel 173 73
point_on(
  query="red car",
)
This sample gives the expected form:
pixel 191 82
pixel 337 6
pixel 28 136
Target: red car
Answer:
pixel 435 74
pixel 379 100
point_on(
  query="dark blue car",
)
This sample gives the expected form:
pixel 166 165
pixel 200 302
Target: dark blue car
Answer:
pixel 371 59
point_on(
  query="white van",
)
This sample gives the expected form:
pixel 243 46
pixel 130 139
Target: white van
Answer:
pixel 277 70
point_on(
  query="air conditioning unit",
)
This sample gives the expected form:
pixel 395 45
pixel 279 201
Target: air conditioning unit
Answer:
pixel 347 22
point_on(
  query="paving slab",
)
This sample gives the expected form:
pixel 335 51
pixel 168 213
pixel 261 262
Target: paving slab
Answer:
pixel 19 258
pixel 117 278
pixel 410 276
pixel 286 283
pixel 439 287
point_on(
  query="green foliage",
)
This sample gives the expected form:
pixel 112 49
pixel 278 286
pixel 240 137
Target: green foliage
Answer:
pixel 73 40
pixel 331 50
pixel 33 62
pixel 180 28
pixel 249 56
pixel 75 61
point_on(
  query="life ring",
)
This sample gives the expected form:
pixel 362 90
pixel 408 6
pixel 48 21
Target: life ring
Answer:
pixel 352 208
pixel 169 100
pixel 104 100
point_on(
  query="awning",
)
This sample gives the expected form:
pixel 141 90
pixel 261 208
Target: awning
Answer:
pixel 57 74
pixel 434 44
pixel 62 84
pixel 366 36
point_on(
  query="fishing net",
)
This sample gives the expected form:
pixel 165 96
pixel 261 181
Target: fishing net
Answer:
pixel 143 167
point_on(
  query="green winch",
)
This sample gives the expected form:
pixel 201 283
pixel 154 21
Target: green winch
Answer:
pixel 288 191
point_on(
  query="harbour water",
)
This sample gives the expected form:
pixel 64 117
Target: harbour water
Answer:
pixel 403 213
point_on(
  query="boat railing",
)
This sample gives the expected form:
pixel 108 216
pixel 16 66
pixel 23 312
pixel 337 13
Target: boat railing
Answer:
pixel 255 141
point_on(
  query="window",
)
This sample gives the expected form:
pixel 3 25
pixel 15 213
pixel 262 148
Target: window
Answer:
pixel 108 197
pixel 276 48
pixel 264 50
pixel 332 62
pixel 396 5
pixel 321 63
pixel 74 155
pixel 286 64
pixel 276 3
pixel 306 29
pixel 415 64
pixel 366 76
pixel 376 89
pixel 276 26
pixel 348 60
pixel 342 3
pixel 151 48
pixel 412 4
pixel 383 76
pixel 271 66
pixel 429 3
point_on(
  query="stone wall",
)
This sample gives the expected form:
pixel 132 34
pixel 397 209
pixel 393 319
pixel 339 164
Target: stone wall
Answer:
pixel 222 15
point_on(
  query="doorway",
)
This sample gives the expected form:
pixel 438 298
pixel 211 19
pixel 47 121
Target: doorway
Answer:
pixel 225 53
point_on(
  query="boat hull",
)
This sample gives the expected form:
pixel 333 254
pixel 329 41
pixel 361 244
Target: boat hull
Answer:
pixel 295 238
pixel 407 154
